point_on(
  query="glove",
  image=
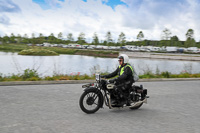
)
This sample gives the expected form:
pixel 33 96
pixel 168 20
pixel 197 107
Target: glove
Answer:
pixel 112 80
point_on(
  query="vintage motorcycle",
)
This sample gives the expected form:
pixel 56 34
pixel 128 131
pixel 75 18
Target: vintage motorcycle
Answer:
pixel 95 94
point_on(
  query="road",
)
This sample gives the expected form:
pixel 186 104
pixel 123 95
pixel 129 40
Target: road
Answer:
pixel 173 107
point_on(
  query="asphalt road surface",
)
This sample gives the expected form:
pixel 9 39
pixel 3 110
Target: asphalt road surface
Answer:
pixel 173 107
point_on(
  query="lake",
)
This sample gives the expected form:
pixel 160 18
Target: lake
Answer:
pixel 12 63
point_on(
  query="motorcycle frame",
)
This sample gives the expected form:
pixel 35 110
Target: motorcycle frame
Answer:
pixel 104 94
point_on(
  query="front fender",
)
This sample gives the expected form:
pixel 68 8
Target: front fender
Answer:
pixel 92 88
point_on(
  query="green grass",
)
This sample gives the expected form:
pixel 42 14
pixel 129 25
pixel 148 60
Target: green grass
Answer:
pixel 40 52
pixel 169 75
pixel 13 47
pixel 32 75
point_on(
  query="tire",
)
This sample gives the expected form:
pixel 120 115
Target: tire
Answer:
pixel 90 101
pixel 136 107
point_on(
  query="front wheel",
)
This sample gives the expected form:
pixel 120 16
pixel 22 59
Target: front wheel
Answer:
pixel 90 101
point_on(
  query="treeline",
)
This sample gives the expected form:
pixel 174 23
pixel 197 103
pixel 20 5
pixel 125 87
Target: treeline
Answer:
pixel 166 39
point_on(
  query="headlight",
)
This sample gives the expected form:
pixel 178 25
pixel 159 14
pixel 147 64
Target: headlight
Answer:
pixel 97 77
pixel 87 85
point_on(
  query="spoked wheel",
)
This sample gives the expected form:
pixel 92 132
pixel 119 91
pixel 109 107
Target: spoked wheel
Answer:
pixel 90 101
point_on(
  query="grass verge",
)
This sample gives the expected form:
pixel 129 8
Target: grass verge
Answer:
pixel 32 75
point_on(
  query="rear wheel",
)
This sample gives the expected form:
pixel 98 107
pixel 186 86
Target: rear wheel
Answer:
pixel 90 101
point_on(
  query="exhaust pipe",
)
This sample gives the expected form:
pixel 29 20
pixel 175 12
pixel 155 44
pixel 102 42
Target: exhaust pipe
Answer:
pixel 140 102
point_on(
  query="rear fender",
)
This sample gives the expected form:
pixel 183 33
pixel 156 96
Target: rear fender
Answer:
pixel 91 88
pixel 145 92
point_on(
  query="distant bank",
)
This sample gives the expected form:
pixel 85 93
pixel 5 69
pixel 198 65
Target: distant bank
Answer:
pixel 102 53
pixel 169 56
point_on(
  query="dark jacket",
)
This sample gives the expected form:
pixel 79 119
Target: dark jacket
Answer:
pixel 126 76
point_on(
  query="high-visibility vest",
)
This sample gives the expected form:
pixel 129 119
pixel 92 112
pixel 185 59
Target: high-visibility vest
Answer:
pixel 122 69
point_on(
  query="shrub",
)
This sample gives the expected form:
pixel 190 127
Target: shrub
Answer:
pixel 15 77
pixel 149 75
pixel 49 78
pixel 1 77
pixel 184 75
pixel 29 73
pixel 166 74
pixel 64 78
pixel 33 79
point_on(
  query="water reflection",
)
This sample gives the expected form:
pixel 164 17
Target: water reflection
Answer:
pixel 67 64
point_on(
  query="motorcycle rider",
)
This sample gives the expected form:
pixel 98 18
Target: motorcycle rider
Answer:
pixel 124 80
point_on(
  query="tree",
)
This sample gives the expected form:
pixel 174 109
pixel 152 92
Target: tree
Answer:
pixel 12 38
pixel 41 35
pixel 190 42
pixel 140 36
pixel 33 35
pixel 60 35
pixel 25 36
pixel 33 39
pixel 198 44
pixel 81 38
pixel 70 37
pixel 175 41
pixel 95 39
pixel 25 39
pixel 166 34
pixel 190 34
pixel 41 39
pixel 51 38
pixel 108 38
pixel 19 38
pixel 174 38
pixel 1 40
pixel 6 39
pixel 122 39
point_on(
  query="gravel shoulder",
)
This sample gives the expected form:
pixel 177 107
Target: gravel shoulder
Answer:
pixel 173 107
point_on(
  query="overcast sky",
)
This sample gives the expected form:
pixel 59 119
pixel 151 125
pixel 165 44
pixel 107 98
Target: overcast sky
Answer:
pixel 100 16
